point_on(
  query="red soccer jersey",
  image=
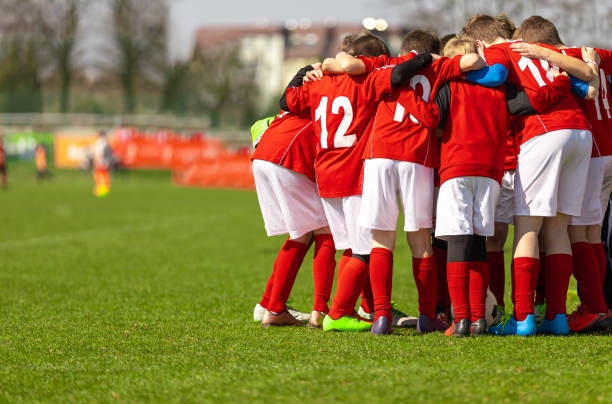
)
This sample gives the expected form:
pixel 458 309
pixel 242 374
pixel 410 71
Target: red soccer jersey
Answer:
pixel 398 135
pixel 597 111
pixel 384 60
pixel 289 142
pixel 531 74
pixel 511 145
pixel 474 140
pixel 342 110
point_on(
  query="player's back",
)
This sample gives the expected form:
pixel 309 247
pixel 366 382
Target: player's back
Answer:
pixel 598 111
pixel 289 142
pixel 398 135
pixel 530 75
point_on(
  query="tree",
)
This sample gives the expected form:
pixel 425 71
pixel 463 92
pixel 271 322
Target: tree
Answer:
pixel 139 36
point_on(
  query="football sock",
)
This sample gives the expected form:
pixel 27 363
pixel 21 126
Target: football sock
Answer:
pixel 458 277
pixel 440 253
pixel 479 282
pixel 558 273
pixel 513 290
pixel 265 299
pixel 323 267
pixel 367 297
pixel 600 255
pixel 497 275
pixel 350 285
pixel 425 275
pixel 541 282
pixel 346 255
pixel 586 272
pixel 381 277
pixel 525 277
pixel 288 262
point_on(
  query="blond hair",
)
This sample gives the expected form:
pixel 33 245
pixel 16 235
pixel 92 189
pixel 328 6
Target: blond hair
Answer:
pixel 458 46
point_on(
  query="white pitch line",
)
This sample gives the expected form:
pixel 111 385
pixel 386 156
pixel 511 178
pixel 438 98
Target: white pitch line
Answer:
pixel 58 238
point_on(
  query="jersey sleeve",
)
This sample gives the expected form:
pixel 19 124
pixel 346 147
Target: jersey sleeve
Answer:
pixel 372 63
pixel 426 113
pixel 448 69
pixel 377 84
pixel 497 55
pixel 550 94
pixel 298 98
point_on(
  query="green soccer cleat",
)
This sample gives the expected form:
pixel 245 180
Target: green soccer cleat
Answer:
pixel 539 310
pixel 345 323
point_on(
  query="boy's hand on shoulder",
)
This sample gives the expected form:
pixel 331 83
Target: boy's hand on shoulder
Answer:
pixel 313 75
pixel 530 50
pixel 590 55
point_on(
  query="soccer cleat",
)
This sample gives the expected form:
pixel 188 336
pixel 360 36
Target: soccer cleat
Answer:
pixel 298 315
pixel 316 319
pixel 426 325
pixel 364 314
pixel 527 326
pixel 280 320
pixel 258 313
pixel 556 326
pixel 461 328
pixel 582 321
pixel 604 323
pixel 506 326
pixel 444 314
pixel 401 319
pixel 539 310
pixel 382 326
pixel 478 327
pixel 345 323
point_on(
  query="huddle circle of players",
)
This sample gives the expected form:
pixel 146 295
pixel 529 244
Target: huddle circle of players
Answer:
pixel 509 126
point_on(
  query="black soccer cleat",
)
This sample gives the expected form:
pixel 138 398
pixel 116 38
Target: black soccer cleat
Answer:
pixel 461 328
pixel 478 327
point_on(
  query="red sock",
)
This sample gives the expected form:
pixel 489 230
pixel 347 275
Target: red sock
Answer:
pixel 458 277
pixel 443 298
pixel 346 256
pixel 367 297
pixel 497 275
pixel 525 277
pixel 289 260
pixel 425 275
pixel 602 262
pixel 323 266
pixel 350 284
pixel 381 277
pixel 586 272
pixel 479 283
pixel 558 273
pixel 540 295
pixel 265 299
pixel 513 291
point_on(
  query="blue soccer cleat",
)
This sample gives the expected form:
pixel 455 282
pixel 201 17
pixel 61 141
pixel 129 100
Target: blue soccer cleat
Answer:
pixel 527 326
pixel 506 326
pixel 556 326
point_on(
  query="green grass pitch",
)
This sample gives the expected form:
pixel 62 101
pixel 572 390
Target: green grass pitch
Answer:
pixel 147 296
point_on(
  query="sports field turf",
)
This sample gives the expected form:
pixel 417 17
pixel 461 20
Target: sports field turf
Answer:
pixel 148 296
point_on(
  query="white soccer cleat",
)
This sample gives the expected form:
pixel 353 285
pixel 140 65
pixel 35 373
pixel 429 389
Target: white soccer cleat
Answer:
pixel 298 315
pixel 362 313
pixel 258 313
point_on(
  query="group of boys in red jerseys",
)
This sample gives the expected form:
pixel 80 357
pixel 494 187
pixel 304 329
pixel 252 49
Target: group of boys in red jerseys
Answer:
pixel 494 132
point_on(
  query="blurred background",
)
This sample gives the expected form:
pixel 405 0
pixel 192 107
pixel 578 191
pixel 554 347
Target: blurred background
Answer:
pixel 178 83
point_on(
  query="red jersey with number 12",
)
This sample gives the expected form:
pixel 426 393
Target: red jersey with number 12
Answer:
pixel 531 74
pixel 597 111
pixel 342 108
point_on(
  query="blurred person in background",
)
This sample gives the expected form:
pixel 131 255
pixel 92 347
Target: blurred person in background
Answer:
pixel 101 165
pixel 3 176
pixel 40 157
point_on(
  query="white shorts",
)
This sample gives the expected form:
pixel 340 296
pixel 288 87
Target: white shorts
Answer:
pixel 342 214
pixel 504 211
pixel 606 188
pixel 383 181
pixel 551 173
pixel 466 205
pixel 592 211
pixel 289 201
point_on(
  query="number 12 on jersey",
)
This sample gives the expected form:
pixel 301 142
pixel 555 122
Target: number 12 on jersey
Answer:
pixel 341 139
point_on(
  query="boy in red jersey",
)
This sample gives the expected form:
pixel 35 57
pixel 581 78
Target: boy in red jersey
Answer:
pixel 283 168
pixel 342 107
pixel 551 174
pixel 588 255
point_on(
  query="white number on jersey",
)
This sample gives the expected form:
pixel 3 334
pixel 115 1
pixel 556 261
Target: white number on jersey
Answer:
pixel 399 108
pixel 341 139
pixel 603 94
pixel 525 63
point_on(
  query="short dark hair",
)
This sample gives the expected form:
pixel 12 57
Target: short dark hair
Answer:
pixel 369 45
pixel 346 42
pixel 421 41
pixel 483 27
pixel 507 25
pixel 537 29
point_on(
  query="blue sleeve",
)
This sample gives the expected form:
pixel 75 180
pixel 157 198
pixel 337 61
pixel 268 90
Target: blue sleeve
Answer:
pixel 579 87
pixel 490 76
